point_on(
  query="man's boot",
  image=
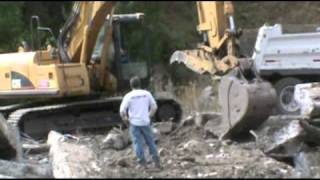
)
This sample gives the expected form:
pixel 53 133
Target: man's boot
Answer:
pixel 157 165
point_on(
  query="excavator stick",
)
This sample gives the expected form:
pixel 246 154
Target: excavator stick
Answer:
pixel 192 61
pixel 201 62
pixel 245 105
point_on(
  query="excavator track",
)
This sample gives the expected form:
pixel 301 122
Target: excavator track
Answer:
pixel 36 122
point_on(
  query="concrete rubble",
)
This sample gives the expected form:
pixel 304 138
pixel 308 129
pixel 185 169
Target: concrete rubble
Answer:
pixel 116 139
pixel 308 97
pixel 71 159
pixel 295 139
pixel 282 147
pixel 307 162
pixel 24 170
pixel 185 151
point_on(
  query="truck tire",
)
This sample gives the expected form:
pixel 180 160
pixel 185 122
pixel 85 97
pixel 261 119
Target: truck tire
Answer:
pixel 285 102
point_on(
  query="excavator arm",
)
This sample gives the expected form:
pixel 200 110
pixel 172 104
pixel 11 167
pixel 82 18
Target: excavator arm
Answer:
pixel 246 100
pixel 217 52
pixel 78 36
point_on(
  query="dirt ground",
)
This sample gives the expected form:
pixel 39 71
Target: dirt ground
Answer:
pixel 186 153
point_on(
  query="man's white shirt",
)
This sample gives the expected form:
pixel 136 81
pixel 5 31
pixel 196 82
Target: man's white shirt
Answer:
pixel 138 104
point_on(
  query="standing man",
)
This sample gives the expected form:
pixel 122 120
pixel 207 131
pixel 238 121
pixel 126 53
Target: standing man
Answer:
pixel 137 107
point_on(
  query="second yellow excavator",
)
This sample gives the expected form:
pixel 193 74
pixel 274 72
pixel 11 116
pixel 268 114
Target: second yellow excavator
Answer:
pixel 246 99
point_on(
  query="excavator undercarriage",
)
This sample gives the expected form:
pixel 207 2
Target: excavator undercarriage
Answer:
pixel 35 119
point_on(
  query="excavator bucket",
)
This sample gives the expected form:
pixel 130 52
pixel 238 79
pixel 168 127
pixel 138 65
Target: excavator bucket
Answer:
pixel 192 60
pixel 245 105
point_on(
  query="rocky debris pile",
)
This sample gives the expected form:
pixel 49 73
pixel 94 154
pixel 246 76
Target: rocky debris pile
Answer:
pixel 12 163
pixel 291 139
pixel 14 169
pixel 190 149
pixel 295 139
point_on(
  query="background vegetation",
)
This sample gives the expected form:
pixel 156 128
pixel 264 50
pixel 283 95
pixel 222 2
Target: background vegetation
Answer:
pixel 171 25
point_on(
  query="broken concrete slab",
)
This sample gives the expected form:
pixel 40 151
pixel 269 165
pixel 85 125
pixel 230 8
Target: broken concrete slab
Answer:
pixel 307 95
pixel 307 162
pixel 10 148
pixel 280 136
pixel 24 170
pixel 116 139
pixel 212 125
pixel 7 177
pixel 188 121
pixel 194 146
pixel 312 132
pixel 165 127
pixel 156 134
pixel 71 160
pixel 202 118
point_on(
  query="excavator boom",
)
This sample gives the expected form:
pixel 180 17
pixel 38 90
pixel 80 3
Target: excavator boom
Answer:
pixel 241 90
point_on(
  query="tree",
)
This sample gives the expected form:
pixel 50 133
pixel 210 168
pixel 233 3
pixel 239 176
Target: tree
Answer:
pixel 171 26
pixel 11 25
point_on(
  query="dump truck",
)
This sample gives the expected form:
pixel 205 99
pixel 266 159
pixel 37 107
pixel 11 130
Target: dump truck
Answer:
pixel 72 84
pixel 285 60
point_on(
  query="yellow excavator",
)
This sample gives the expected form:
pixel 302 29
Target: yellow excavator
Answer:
pixel 71 86
pixel 246 99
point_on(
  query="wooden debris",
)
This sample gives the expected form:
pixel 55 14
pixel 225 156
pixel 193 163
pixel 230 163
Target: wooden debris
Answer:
pixel 35 148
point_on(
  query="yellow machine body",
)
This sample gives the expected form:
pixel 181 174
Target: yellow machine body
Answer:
pixel 36 74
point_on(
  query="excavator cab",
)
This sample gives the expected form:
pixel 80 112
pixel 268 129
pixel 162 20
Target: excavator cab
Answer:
pixel 123 61
pixel 36 32
pixel 130 61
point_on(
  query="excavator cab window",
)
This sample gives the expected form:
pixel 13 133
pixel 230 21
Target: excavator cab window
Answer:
pixel 129 33
pixel 124 58
pixel 40 35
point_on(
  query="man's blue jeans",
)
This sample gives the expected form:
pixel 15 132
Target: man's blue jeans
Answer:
pixel 140 134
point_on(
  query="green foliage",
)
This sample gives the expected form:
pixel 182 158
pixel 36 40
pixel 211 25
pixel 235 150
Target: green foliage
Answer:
pixel 11 25
pixel 15 21
pixel 170 26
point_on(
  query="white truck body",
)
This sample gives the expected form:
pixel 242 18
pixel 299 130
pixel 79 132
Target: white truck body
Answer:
pixel 286 54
